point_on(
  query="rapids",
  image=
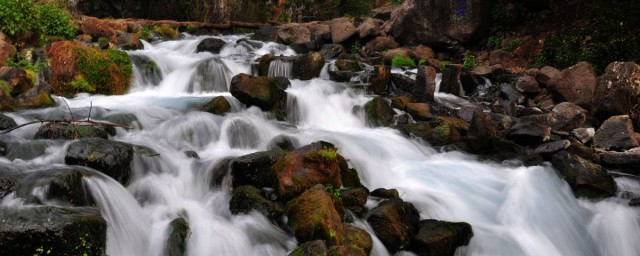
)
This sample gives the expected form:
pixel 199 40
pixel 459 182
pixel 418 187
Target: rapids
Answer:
pixel 514 210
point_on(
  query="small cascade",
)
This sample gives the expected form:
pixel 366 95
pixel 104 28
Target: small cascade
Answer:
pixel 211 75
pixel 280 67
pixel 145 71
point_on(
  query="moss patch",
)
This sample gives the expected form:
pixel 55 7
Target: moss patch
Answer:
pixel 109 71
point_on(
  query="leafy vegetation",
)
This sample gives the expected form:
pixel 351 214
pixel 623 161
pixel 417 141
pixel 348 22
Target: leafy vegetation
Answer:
pixel 334 191
pixel 400 61
pixel 108 71
pixel 5 87
pixel 469 61
pixel 80 84
pixel 25 20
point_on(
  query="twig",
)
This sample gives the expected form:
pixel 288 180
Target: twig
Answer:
pixel 90 107
pixel 69 121
pixel 69 108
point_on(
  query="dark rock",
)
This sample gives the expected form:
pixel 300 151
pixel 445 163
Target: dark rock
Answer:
pixel 381 43
pixel 583 151
pixel 6 122
pixel 283 142
pixel 294 34
pixel 331 51
pixel 527 84
pixel 378 112
pixel 440 237
pixel 219 171
pixel 217 106
pixel 128 41
pixel 585 178
pixel 316 163
pixel 618 92
pixel 635 202
pixel 347 65
pixel 179 233
pixel 576 84
pixel 311 248
pixel 500 58
pixel 616 133
pixel 482 132
pixel 54 230
pixel 212 45
pixel 395 222
pixel 419 111
pixel 403 82
pixel 348 176
pixel 263 92
pixel 568 116
pixel 436 133
pixel 342 29
pixel 149 70
pixel 312 216
pixel 266 34
pixel 59 186
pixel 9 178
pixel 384 12
pixel 451 80
pixel 385 193
pixel 308 66
pixel 264 64
pixel 248 198
pixel 255 169
pixel 17 80
pixel 628 161
pixel 191 154
pixel 529 133
pixel 425 85
pixel 508 92
pixel 345 250
pixel 27 150
pixel 354 199
pixel 380 80
pixel 551 148
pixel 341 76
pixel 63 131
pixel 109 157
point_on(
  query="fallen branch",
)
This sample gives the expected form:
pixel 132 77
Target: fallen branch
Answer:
pixel 67 121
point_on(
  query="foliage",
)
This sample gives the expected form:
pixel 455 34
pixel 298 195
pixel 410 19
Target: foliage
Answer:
pixel 108 71
pixel 166 31
pixel 400 61
pixel 40 251
pixel 513 44
pixel 24 19
pixel 55 21
pixel 23 63
pixel 334 191
pixel 495 42
pixel 329 153
pixel 80 84
pixel 469 61
pixel 355 48
pixel 5 87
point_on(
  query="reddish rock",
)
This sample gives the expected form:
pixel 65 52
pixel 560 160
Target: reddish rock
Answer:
pixel 451 80
pixel 576 84
pixel 98 28
pixel 395 222
pixel 499 57
pixel 616 133
pixel 546 74
pixel 17 80
pixel 482 132
pixel 404 52
pixel 381 80
pixel 7 51
pixel 312 216
pixel 527 84
pixel 308 66
pixel 381 43
pixel 369 28
pixel 618 92
pixel 294 34
pixel 342 29
pixel 263 92
pixel 424 52
pixel 419 111
pixel 425 86
pixel 358 238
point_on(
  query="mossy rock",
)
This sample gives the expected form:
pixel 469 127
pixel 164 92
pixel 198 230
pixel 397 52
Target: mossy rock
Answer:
pixel 109 157
pixel 179 233
pixel 248 198
pixel 55 131
pixel 217 106
pixel 440 237
pixel 358 238
pixel 585 178
pixel 312 216
pixel 378 113
pixel 64 185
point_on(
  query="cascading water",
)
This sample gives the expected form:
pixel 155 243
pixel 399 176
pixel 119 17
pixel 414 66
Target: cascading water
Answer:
pixel 513 210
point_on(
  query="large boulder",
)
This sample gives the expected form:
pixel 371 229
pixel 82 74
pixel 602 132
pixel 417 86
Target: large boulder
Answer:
pixel 576 84
pixel 437 132
pixel 451 79
pixel 316 163
pixel 255 169
pixel 342 29
pixel 294 34
pixel 6 122
pixel 308 66
pixel 425 86
pixel 585 178
pixel 358 238
pixel 618 92
pixel 482 132
pixel 440 22
pixel 109 157
pixel 58 185
pixel 312 216
pixel 369 28
pixel 616 133
pixel 54 131
pixel 628 161
pixel 212 45
pixel 378 112
pixel 179 234
pixel 264 92
pixel 394 222
pixel 248 198
pixel 381 43
pixel 52 230
pixel 440 237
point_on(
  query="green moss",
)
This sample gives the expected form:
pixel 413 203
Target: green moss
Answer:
pixel 166 31
pixel 469 61
pixel 400 61
pixel 5 87
pixel 108 71
pixel 81 84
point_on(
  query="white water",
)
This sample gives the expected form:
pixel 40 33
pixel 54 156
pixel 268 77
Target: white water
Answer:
pixel 513 210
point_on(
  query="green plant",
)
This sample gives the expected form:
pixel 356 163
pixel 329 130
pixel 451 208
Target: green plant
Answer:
pixel 422 62
pixel 469 61
pixel 400 61
pixel 5 87
pixel 55 20
pixel 24 19
pixel 334 191
pixel 355 48
pixel 108 71
pixel 495 42
pixel 80 83
pixel 41 251
pixel 513 44
pixel 329 153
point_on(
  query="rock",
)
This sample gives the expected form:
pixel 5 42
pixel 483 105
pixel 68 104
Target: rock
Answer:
pixel 440 22
pixel 263 92
pixel 380 80
pixel 358 238
pixel 385 193
pixel 394 222
pixel 384 12
pixel 527 84
pixel 547 74
pixel 191 154
pixel 482 132
pixel 436 132
pixel 53 230
pixel 628 161
pixel 419 111
pixel 283 142
pixel 425 85
pixel 255 169
pixel 264 64
pixel 294 34
pixel 390 54
pixel 312 216
pixel 616 133
pixel 9 177
pixel 551 148
pixel 149 70
pixel 212 45
pixel 7 51
pixel 342 29
pixel 248 198
pixel 618 92
pixel 308 66
pixel 109 157
pixel 17 80
pixel 569 116
pixel 354 199
pixel 381 43
pixel 266 34
pixel 509 92
pixel 348 176
pixel 440 237
pixel 347 65
pixel 58 186
pixel 316 163
pixel 576 84
pixel 368 28
pixel 424 52
pixel 6 122
pixel 585 178
pixel 500 57
pixel 217 106
pixel 451 80
pixel 98 28
pixel 53 131
pixel 583 151
pixel 128 41
pixel 331 51
pixel 584 135
pixel 345 250
pixel 341 76
pixel 529 133
pixel 311 248
pixel 178 238
pixel 27 149
pixel 378 113
pixel 403 82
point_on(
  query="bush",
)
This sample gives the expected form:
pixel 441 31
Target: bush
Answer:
pixel 400 61
pixel 55 21
pixel 23 20
pixel 469 61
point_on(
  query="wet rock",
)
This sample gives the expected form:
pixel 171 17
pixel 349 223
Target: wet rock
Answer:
pixel 425 85
pixel 354 200
pixel 508 92
pixel 217 106
pixel 618 92
pixel 311 248
pixel 400 102
pixel 6 122
pixel 616 133
pixel 316 163
pixel 435 133
pixel 385 193
pixel 16 80
pixel 568 117
pixel 283 142
pixel 63 131
pixel 576 84
pixel 347 65
pixel 394 222
pixel 109 157
pixel 128 41
pixel 308 66
pixel 529 133
pixel 380 80
pixel 440 237
pixel 403 82
pixel 628 161
pixel 255 169
pixel 551 148
pixel 9 177
pixel 381 43
pixel 584 135
pixel 583 151
pixel 179 234
pixel 419 111
pixel 451 79
pixel 294 34
pixel 263 92
pixel 358 238
pixel 391 53
pixel 59 186
pixel 212 45
pixel 348 176
pixel 424 52
pixel 341 76
pixel 219 171
pixel 345 250
pixel 191 154
pixel 56 230
pixel 266 34
pixel 527 84
pixel 312 216
pixel 331 51
pixel 378 112
pixel 342 29
pixel 585 178
pixel 149 70
pixel 248 198
pixel 482 132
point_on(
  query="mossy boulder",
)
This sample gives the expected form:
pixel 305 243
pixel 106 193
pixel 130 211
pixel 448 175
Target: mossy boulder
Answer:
pixel 307 66
pixel 345 250
pixel 311 248
pixel 386 193
pixel 52 230
pixel 63 131
pixel 60 185
pixel 149 70
pixel 395 222
pixel 440 237
pixel 312 216
pixel 305 167
pixel 77 68
pixel 267 93
pixel 109 157
pixel 248 198
pixel 378 113
pixel 358 238
pixel 217 106
pixel 128 41
pixel 179 233
pixel 436 133
pixel 255 169
pixel 585 178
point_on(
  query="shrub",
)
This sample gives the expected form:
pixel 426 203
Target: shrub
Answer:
pixel 23 20
pixel 469 61
pixel 400 61
pixel 55 21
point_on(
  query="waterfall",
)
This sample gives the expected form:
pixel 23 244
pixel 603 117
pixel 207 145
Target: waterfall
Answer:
pixel 280 67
